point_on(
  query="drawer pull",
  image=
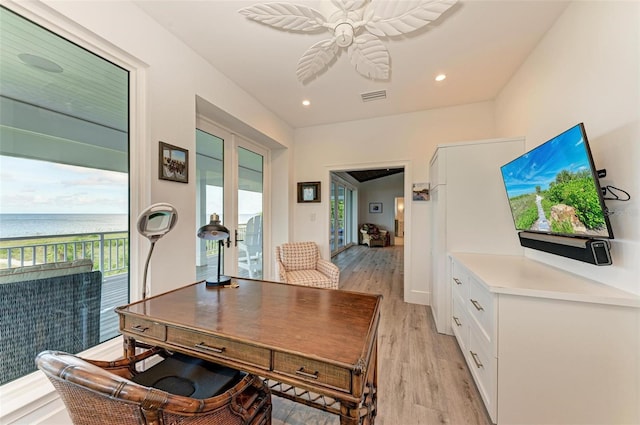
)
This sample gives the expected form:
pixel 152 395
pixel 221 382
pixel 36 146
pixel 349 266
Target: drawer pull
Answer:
pixel 140 328
pixel 477 305
pixel 476 359
pixel 457 281
pixel 206 347
pixel 301 372
pixel 455 319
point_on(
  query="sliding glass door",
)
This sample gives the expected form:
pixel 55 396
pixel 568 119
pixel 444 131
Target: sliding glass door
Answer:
pixel 341 216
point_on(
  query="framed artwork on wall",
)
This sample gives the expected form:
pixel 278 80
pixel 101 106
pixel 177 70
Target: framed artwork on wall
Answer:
pixel 173 163
pixel 308 192
pixel 375 207
pixel 420 191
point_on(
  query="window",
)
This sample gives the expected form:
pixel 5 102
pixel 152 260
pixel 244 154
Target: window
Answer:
pixel 64 194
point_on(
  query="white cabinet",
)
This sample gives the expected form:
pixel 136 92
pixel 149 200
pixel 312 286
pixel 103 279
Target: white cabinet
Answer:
pixel 470 211
pixel 545 346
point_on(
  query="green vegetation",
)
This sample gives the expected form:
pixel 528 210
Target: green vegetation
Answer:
pixel 578 190
pixel 524 210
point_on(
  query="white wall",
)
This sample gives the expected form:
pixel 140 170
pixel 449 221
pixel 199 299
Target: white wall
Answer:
pixel 384 190
pixel 406 140
pixel 587 69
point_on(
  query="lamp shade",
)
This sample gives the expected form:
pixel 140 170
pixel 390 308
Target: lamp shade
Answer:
pixel 214 230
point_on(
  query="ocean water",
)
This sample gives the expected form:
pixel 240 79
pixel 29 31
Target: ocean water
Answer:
pixel 19 225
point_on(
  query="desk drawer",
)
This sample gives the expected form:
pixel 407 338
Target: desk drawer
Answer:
pixel 312 371
pixel 220 347
pixel 144 328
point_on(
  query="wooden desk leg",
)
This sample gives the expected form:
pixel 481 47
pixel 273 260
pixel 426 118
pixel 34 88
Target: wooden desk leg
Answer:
pixel 365 412
pixel 129 347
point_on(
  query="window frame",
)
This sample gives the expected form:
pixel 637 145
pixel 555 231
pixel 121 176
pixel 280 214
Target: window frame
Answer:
pixel 33 393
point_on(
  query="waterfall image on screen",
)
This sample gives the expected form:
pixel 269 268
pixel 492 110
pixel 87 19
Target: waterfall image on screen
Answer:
pixel 554 188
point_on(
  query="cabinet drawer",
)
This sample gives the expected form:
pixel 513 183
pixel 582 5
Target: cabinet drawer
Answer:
pixel 220 347
pixel 460 323
pixel 459 281
pixel 481 307
pixel 484 368
pixel 144 328
pixel 312 371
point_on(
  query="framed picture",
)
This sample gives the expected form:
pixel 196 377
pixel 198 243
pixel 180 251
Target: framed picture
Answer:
pixel 174 163
pixel 420 191
pixel 309 192
pixel 375 207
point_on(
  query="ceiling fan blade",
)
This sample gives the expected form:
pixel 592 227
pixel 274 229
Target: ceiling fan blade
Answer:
pixel 389 18
pixel 348 5
pixel 370 57
pixel 290 17
pixel 316 60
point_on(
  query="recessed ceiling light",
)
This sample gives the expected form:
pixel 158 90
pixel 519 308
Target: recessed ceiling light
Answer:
pixel 306 102
pixel 440 77
pixel 40 62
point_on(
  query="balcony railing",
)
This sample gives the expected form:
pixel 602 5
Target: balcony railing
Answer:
pixel 109 250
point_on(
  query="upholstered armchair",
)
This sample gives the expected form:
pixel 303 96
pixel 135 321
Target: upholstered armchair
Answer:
pixel 299 263
pixel 372 235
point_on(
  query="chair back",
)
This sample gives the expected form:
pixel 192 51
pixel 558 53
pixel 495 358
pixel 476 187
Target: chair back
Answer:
pixel 253 234
pixel 95 396
pixel 298 255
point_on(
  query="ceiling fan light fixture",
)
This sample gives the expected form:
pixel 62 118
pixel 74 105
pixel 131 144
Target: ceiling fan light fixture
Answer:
pixel 357 27
pixel 344 34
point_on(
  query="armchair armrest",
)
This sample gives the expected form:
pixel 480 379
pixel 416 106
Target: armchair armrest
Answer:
pixel 330 270
pixel 281 272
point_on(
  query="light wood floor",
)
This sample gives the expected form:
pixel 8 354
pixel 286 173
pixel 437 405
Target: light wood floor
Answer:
pixel 422 376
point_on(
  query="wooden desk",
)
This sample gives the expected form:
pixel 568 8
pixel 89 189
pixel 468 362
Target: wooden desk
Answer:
pixel 319 340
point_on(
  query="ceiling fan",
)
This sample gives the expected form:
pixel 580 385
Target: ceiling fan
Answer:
pixel 357 25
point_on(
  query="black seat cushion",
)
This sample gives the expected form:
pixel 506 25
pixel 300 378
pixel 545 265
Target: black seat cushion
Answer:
pixel 189 376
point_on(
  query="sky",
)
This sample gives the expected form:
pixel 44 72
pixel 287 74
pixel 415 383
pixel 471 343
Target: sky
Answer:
pixel 39 187
pixel 30 186
pixel 541 165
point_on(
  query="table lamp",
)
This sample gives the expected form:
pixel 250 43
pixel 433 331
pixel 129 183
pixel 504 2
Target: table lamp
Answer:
pixel 154 222
pixel 215 231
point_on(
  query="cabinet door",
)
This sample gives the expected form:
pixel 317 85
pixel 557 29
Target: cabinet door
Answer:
pixel 440 288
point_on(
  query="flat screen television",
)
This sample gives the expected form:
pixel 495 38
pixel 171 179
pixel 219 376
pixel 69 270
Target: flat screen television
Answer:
pixel 554 189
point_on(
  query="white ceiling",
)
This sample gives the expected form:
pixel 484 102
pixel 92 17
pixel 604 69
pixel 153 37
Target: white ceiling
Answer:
pixel 477 44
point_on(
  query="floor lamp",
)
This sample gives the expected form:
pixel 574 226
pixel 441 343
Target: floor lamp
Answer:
pixel 155 221
pixel 214 231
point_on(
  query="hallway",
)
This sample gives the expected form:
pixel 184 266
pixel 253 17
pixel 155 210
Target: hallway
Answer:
pixel 422 375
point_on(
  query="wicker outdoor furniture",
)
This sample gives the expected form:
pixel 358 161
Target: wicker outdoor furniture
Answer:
pixel 103 393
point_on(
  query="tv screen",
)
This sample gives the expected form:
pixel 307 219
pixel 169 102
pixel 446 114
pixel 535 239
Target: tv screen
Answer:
pixel 554 189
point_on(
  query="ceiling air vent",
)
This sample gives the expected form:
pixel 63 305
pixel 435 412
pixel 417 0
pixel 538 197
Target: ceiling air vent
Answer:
pixel 374 95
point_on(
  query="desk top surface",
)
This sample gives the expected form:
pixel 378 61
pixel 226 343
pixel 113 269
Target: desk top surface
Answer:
pixel 328 324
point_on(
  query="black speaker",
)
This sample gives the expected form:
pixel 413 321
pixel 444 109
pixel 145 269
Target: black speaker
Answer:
pixel 593 251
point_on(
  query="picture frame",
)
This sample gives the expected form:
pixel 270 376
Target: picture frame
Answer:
pixel 420 191
pixel 173 163
pixel 375 207
pixel 308 192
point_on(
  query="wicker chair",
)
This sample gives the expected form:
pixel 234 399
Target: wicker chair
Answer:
pixel 299 263
pixel 101 393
